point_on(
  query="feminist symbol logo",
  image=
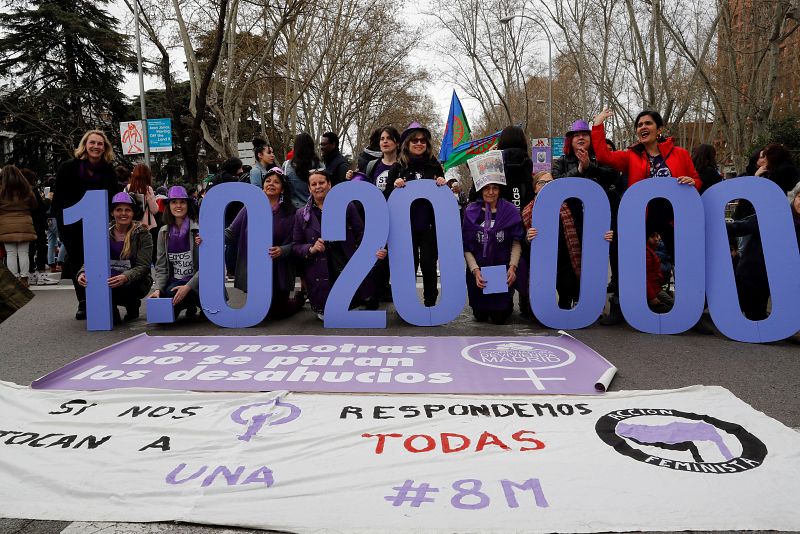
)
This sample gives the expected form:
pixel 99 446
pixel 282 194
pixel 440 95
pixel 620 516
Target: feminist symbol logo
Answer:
pixel 524 356
pixel 273 415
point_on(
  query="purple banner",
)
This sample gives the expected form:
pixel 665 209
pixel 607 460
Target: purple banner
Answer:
pixel 341 364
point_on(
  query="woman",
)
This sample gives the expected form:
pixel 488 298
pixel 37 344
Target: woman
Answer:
pixel 265 159
pixel 492 231
pixel 704 157
pixel 131 251
pixel 579 160
pixel 652 156
pixel 568 267
pixel 177 254
pixel 775 163
pixel 377 170
pixel 417 162
pixel 304 158
pixel 140 188
pixel 276 187
pixel 90 170
pixel 17 232
pixel 323 262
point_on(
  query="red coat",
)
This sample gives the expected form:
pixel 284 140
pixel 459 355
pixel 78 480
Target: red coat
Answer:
pixel 655 277
pixel 635 163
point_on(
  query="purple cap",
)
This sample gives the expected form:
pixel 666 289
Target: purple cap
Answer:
pixel 413 127
pixel 176 192
pixel 579 125
pixel 121 198
pixel 359 176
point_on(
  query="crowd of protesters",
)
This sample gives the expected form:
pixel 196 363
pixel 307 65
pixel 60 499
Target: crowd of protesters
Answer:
pixel 155 235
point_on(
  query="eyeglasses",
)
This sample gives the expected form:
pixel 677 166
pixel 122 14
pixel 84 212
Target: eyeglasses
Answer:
pixel 419 141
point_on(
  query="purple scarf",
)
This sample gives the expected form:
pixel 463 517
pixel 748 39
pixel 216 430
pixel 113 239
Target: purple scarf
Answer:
pixel 179 233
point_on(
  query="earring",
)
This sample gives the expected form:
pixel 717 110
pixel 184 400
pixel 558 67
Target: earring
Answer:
pixel 280 200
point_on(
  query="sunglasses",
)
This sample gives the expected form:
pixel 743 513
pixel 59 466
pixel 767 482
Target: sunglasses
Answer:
pixel 275 170
pixel 418 141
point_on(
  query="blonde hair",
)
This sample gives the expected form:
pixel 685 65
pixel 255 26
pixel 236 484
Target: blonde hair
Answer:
pixel 538 176
pixel 108 152
pixel 126 245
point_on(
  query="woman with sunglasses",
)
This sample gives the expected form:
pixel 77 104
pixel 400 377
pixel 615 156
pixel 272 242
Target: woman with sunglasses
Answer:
pixel 417 162
pixel 323 261
pixel 279 194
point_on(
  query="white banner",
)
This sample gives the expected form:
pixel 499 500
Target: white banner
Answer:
pixel 696 458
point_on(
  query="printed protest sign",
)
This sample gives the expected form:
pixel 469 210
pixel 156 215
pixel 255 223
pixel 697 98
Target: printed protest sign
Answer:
pixel 690 459
pixel 159 135
pixel 131 136
pixel 541 154
pixel 360 364
pixel 487 169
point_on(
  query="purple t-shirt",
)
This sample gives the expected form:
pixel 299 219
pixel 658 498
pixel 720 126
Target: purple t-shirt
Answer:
pixel 118 266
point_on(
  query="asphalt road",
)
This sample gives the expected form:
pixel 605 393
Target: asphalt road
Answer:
pixel 44 336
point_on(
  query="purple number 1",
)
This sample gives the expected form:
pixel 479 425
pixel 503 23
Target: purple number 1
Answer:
pixel 93 211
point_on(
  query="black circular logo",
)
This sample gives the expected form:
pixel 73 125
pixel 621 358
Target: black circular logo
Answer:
pixel 715 446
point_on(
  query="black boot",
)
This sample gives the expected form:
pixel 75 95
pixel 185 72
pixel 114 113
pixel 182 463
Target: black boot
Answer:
pixel 614 315
pixel 81 313
pixel 132 310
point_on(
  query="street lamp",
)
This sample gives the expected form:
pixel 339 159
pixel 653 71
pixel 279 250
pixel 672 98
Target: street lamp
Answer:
pixel 506 20
pixel 146 142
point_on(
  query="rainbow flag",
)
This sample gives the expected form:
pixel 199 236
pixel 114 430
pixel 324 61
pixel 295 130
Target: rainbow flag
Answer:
pixel 466 151
pixel 456 131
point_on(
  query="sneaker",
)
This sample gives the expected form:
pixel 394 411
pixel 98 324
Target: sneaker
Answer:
pixel 80 315
pixel 44 280
pixel 321 317
pixel 33 279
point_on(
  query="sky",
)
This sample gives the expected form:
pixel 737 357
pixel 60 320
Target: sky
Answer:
pixel 422 55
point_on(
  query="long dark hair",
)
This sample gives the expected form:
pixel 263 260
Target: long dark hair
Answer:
pixel 259 145
pixel 14 187
pixel 393 133
pixel 405 153
pixel 704 156
pixel 512 137
pixel 191 211
pixel 305 156
pixel 776 155
pixel 286 205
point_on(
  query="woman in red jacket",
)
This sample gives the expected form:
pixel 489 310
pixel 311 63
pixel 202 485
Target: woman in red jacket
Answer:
pixel 652 156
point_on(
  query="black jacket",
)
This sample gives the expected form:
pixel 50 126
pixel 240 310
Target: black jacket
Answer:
pixel 337 166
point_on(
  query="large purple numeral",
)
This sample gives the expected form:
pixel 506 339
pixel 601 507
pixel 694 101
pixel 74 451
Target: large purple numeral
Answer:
pixel 334 228
pixel 689 252
pixel 780 255
pixel 451 254
pixel 594 254
pixel 212 263
pixel 93 211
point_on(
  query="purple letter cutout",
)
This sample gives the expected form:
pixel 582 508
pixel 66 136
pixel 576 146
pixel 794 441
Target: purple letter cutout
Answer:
pixel 780 255
pixel 259 264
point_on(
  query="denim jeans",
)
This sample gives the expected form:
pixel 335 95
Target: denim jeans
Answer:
pixel 52 243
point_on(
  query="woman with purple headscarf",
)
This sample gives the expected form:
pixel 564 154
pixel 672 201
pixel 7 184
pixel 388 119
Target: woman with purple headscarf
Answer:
pixel 492 232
